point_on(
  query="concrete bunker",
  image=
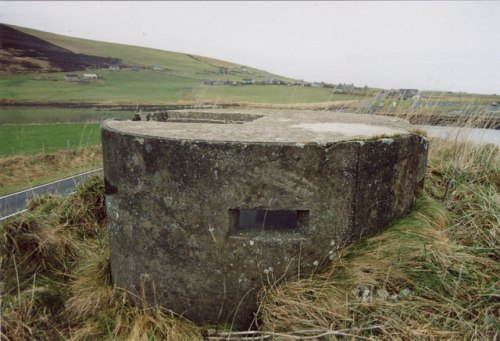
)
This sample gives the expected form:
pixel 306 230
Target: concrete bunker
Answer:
pixel 202 215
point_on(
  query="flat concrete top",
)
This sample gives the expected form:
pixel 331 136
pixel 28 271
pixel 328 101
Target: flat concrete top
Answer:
pixel 269 126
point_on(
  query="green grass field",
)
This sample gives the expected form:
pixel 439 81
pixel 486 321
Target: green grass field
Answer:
pixel 32 139
pixel 136 87
pixel 125 86
pixel 275 94
pixel 23 115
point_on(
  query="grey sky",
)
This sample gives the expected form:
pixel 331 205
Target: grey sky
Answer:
pixel 428 45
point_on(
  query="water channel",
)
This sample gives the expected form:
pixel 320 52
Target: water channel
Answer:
pixel 473 135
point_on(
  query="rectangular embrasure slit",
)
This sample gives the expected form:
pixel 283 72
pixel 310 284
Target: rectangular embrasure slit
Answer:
pixel 249 220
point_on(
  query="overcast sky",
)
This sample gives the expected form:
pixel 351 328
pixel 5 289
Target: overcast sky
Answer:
pixel 427 45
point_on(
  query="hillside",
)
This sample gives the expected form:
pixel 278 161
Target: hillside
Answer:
pixel 44 46
pixel 22 52
pixel 35 65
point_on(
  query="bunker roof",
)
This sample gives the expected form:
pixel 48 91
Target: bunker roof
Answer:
pixel 262 126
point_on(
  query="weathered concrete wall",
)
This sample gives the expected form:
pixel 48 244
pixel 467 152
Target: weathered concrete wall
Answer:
pixel 173 210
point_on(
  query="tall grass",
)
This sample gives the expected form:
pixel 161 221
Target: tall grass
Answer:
pixel 461 110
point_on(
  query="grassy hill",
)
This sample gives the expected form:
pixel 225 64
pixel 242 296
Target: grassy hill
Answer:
pixel 128 56
pixel 179 78
pixel 26 52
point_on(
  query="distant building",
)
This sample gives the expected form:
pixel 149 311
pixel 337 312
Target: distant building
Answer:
pixel 407 93
pixel 71 77
pixel 90 76
pixel 214 82
pixel 247 81
pixel 273 81
pixel 344 88
pixel 317 84
pixel 114 67
pixel 156 67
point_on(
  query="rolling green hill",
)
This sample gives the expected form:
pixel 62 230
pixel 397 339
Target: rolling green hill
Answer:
pixel 180 63
pixel 178 78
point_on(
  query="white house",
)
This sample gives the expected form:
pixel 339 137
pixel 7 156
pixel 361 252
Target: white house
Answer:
pixel 90 76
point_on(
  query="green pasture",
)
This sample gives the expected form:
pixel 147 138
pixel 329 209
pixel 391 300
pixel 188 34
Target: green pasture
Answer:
pixel 269 94
pixel 23 115
pixel 126 85
pixel 32 139
pixel 146 86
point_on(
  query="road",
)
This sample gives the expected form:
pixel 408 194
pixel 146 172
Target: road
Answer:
pixel 15 203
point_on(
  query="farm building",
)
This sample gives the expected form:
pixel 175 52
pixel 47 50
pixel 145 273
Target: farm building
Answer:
pixel 114 67
pixel 156 67
pixel 247 81
pixel 344 88
pixel 214 82
pixel 272 81
pixel 71 77
pixel 407 93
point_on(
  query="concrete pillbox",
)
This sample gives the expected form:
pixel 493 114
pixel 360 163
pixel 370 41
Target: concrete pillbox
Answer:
pixel 206 207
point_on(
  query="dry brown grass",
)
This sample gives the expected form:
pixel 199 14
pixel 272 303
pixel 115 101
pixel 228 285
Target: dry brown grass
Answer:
pixel 97 310
pixel 27 171
pixel 464 111
pixel 374 276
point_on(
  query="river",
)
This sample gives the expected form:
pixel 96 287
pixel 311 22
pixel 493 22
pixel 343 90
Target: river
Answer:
pixel 474 135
